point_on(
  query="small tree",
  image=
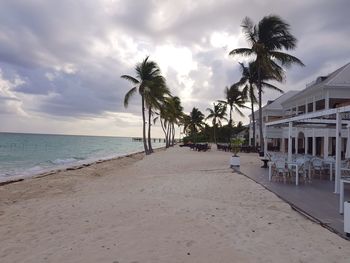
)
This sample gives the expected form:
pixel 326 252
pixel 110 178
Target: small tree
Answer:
pixel 236 145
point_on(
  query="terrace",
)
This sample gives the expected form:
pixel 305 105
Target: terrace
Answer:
pixel 316 200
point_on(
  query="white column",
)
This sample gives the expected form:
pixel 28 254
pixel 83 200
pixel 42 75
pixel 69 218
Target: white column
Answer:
pixel 290 141
pixel 306 144
pixel 306 109
pixel 337 154
pixel 313 143
pixel 296 143
pixel 325 144
pixel 326 100
pixel 314 105
pixel 283 145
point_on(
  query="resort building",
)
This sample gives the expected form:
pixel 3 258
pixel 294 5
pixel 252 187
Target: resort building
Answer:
pixel 314 121
pixel 326 92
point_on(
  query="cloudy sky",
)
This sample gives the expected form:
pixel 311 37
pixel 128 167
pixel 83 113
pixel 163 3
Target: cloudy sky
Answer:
pixel 61 61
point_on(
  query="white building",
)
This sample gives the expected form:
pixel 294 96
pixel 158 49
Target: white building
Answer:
pixel 326 92
pixel 314 121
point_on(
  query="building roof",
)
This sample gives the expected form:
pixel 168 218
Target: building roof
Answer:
pixel 276 104
pixel 339 77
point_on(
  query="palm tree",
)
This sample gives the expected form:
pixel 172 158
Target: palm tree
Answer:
pixel 146 74
pixel 267 39
pixel 171 113
pixel 193 123
pixel 217 114
pixel 235 99
pixel 249 80
pixel 177 116
pixel 155 94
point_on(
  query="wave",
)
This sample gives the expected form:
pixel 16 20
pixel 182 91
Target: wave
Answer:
pixel 66 161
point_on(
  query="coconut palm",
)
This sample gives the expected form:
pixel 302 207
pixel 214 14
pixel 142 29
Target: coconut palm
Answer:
pixel 171 113
pixel 178 115
pixel 267 39
pixel 249 81
pixel 193 122
pixel 235 99
pixel 154 94
pixel 146 74
pixel 217 113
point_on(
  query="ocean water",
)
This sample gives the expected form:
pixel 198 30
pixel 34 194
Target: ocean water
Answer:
pixel 23 155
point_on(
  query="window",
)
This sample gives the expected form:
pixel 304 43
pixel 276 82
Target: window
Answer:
pixel 301 109
pixel 320 105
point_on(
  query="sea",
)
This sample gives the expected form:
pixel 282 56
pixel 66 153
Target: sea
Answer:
pixel 24 155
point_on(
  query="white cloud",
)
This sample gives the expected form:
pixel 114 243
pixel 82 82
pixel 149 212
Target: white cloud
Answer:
pixel 10 102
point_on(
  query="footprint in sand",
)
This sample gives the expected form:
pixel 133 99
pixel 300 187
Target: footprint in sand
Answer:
pixel 190 243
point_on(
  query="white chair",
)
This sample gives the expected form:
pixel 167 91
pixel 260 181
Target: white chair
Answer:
pixel 317 167
pixel 280 170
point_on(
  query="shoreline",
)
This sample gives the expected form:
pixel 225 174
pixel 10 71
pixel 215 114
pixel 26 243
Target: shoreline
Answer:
pixel 73 167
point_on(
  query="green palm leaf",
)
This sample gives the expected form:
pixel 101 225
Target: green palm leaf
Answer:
pixel 128 95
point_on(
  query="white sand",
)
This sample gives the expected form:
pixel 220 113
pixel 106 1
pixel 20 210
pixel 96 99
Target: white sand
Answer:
pixel 173 206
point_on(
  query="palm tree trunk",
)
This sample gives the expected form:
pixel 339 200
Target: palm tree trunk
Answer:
pixel 173 137
pixel 260 110
pixel 165 134
pixel 214 124
pixel 144 125
pixel 168 134
pixel 230 123
pixel 149 130
pixel 253 113
pixel 253 120
pixel 194 135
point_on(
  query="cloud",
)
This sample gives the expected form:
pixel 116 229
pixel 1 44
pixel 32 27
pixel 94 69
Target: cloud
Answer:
pixel 10 103
pixel 61 61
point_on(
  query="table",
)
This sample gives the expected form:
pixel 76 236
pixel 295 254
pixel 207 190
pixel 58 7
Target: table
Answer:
pixel 344 180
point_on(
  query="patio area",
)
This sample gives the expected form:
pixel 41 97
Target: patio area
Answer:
pixel 316 199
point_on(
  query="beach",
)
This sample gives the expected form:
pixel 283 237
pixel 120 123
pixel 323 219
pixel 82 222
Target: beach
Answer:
pixel 175 205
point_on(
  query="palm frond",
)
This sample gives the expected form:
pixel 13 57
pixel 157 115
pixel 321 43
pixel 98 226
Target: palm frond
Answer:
pixel 270 86
pixel 286 59
pixel 131 79
pixel 128 95
pixel 239 111
pixel 249 30
pixel 241 51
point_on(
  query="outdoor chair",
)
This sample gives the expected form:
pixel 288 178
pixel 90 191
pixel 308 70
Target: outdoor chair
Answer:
pixel 345 168
pixel 202 147
pixel 307 169
pixel 303 169
pixel 317 167
pixel 280 170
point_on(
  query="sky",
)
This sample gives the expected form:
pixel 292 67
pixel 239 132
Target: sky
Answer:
pixel 61 61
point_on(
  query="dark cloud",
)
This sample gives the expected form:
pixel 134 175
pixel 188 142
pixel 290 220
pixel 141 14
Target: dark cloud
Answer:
pixel 64 53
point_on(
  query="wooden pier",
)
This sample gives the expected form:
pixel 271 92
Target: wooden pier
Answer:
pixel 139 139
